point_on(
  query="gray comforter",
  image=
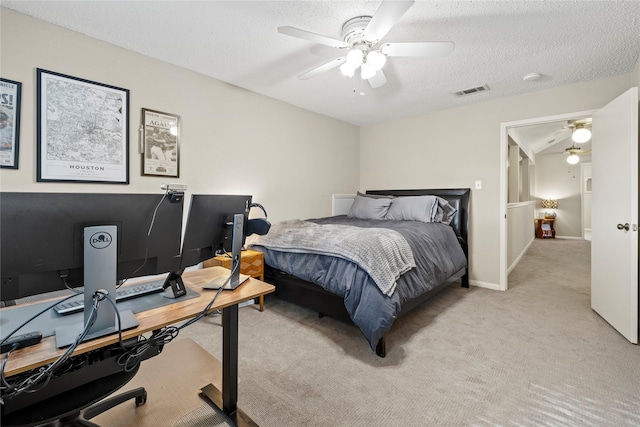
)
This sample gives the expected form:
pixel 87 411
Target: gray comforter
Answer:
pixel 436 252
pixel 383 253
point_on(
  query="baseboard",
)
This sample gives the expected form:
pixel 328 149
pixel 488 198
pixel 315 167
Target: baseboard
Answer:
pixel 486 285
pixel 569 237
pixel 517 260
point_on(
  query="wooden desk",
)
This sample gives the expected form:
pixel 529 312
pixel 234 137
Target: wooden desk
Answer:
pixel 251 264
pixel 46 352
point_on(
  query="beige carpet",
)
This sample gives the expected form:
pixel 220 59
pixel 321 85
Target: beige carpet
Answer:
pixel 536 355
pixel 173 380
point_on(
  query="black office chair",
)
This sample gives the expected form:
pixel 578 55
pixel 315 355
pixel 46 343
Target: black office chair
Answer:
pixel 62 402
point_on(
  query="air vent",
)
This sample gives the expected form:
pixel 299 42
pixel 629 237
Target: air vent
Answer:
pixel 471 91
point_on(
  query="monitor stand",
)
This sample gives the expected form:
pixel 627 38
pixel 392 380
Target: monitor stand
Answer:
pixel 236 249
pixel 174 286
pixel 100 266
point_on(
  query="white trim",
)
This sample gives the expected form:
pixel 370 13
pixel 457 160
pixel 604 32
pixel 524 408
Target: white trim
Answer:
pixel 517 260
pixel 504 142
pixel 519 204
pixel 569 237
pixel 486 285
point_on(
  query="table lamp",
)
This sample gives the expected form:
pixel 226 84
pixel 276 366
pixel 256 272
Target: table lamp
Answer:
pixel 549 204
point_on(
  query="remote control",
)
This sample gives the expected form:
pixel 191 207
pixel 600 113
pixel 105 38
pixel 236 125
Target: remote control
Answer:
pixel 24 340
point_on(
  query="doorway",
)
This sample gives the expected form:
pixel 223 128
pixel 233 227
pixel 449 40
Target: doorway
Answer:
pixel 506 127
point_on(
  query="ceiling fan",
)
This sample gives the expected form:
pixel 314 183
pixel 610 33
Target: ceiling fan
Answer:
pixel 361 45
pixel 580 130
pixel 574 153
pixel 580 133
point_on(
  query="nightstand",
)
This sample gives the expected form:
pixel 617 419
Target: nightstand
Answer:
pixel 251 264
pixel 545 234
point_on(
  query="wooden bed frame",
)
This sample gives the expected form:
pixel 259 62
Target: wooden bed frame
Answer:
pixel 312 296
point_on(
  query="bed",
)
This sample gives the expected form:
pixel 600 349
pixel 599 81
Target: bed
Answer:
pixel 340 285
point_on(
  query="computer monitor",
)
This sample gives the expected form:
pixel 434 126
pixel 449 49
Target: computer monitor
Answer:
pixel 210 227
pixel 41 237
pixel 50 241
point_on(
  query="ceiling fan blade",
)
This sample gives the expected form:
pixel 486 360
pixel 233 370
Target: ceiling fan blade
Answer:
pixel 431 49
pixel 378 79
pixel 313 37
pixel 323 68
pixel 575 150
pixel 387 15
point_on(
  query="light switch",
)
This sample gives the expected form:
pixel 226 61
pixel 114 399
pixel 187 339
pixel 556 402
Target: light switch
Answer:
pixel 478 184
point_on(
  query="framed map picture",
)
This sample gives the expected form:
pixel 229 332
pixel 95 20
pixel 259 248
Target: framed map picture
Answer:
pixel 82 130
pixel 161 139
pixel 9 123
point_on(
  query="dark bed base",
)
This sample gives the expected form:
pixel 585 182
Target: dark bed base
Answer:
pixel 309 295
pixel 312 296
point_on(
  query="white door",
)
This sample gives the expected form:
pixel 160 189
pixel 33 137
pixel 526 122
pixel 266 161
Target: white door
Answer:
pixel 614 248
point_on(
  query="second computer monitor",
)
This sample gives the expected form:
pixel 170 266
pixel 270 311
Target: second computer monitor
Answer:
pixel 210 225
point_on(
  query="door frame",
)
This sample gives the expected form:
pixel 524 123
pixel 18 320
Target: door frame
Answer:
pixel 504 142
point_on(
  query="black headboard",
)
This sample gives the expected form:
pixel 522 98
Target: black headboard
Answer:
pixel 457 197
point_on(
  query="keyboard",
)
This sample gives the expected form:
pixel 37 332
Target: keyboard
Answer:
pixel 76 304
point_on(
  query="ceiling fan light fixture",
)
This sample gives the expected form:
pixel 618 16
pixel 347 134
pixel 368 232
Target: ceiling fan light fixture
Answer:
pixel 573 159
pixel 367 71
pixel 361 36
pixel 376 60
pixel 347 70
pixel 581 135
pixel 355 58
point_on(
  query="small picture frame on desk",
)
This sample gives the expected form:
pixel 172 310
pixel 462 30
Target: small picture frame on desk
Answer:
pixel 160 142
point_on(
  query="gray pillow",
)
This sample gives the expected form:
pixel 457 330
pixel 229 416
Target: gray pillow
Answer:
pixel 413 208
pixel 445 211
pixel 375 196
pixel 369 208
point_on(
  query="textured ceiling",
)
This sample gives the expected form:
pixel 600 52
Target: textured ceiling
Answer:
pixel 496 43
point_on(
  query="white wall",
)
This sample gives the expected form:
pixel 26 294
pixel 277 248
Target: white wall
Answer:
pixel 233 141
pixel 521 231
pixel 453 148
pixel 556 179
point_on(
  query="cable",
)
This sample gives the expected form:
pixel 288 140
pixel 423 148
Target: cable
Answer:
pixel 35 316
pixel 115 308
pixel 206 310
pixel 129 360
pixel 42 375
pixel 64 274
pixel 146 254
pixel 134 353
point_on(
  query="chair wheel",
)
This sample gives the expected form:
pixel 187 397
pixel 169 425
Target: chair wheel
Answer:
pixel 141 400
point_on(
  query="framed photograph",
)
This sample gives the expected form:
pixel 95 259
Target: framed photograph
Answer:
pixel 82 130
pixel 161 144
pixel 9 123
